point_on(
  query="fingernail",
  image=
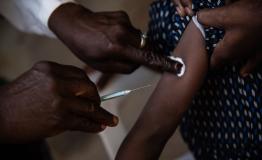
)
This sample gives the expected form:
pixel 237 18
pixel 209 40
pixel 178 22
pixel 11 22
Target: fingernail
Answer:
pixel 179 11
pixel 115 120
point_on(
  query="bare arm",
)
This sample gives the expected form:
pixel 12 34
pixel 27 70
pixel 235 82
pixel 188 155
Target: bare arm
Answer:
pixel 169 101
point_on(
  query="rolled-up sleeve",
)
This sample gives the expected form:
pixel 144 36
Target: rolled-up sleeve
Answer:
pixel 30 15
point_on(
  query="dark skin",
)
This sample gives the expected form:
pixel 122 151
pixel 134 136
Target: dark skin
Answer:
pixel 184 7
pixel 169 102
pixel 106 41
pixel 47 100
pixel 242 21
pixel 242 41
pixel 172 96
pixel 50 98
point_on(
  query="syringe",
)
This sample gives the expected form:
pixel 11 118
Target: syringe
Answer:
pixel 121 93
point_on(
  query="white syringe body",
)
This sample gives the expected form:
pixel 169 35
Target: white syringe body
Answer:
pixel 115 95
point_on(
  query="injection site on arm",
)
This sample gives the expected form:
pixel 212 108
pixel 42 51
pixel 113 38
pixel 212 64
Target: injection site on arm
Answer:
pixel 170 100
pixel 182 68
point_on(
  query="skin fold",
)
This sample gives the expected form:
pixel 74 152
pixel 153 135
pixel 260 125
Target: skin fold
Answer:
pixel 168 103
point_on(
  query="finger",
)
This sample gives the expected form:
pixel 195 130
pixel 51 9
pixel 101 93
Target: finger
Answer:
pixel 215 17
pixel 116 66
pixel 226 51
pixel 85 125
pixel 150 59
pixel 187 4
pixel 179 8
pixel 80 88
pixel 252 64
pixel 91 111
pixel 189 11
pixel 104 80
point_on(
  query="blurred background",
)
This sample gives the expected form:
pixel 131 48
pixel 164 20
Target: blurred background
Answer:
pixel 19 51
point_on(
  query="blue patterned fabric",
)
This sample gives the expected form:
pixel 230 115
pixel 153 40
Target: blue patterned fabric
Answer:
pixel 225 119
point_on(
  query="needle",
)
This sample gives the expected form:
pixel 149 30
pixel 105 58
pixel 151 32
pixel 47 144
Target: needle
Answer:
pixel 121 93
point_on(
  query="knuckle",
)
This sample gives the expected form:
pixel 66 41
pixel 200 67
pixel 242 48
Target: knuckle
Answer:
pixel 114 47
pixel 44 69
pixel 57 102
pixel 119 29
pixel 122 14
pixel 51 84
pixel 42 66
pixel 43 72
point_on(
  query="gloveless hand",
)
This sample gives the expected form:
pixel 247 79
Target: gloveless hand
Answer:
pixel 106 41
pixel 242 41
pixel 184 7
pixel 50 99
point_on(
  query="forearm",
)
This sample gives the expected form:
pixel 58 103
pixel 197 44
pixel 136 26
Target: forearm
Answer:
pixel 168 103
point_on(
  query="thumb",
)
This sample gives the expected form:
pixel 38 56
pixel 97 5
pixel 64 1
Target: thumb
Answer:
pixel 216 17
pixel 153 60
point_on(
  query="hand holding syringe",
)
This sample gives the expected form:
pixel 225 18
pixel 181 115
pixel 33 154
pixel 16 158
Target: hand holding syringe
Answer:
pixel 121 93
